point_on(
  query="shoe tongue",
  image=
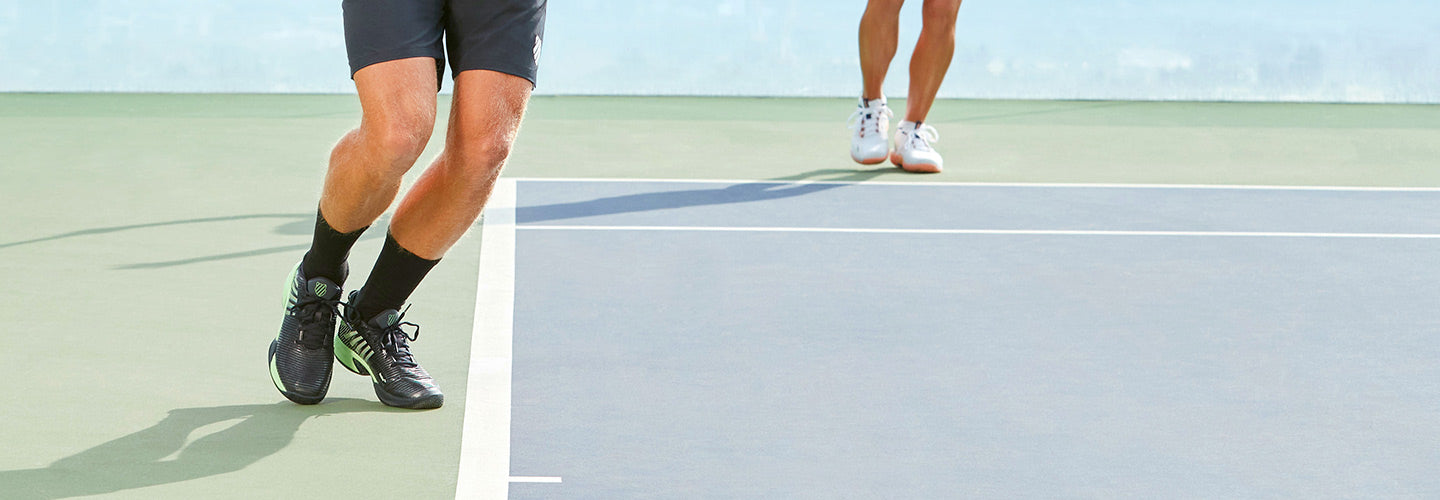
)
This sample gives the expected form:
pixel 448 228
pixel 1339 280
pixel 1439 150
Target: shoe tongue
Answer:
pixel 323 288
pixel 385 319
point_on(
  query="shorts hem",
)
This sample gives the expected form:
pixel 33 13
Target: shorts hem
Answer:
pixel 526 73
pixel 395 55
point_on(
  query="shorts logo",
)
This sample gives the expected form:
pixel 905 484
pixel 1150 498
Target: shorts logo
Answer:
pixel 537 49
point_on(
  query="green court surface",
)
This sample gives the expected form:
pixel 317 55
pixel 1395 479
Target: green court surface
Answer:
pixel 144 240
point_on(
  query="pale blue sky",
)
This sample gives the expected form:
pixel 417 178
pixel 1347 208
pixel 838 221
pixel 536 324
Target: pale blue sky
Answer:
pixel 1319 50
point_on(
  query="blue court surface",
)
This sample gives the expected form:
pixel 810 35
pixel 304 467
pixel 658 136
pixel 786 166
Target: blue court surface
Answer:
pixel 919 341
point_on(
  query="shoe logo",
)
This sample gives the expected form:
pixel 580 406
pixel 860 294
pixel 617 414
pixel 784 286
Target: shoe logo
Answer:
pixel 320 289
pixel 392 318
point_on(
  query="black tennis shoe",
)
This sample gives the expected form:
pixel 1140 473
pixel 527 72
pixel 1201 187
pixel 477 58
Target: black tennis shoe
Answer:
pixel 300 355
pixel 380 347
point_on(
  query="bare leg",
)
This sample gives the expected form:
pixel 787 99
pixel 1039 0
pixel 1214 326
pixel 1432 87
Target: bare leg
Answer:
pixel 398 103
pixel 444 203
pixel 879 34
pixel 932 57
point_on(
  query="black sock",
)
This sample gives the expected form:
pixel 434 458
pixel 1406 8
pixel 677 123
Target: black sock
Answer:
pixel 396 274
pixel 328 251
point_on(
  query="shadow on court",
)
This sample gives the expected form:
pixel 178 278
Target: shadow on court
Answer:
pixel 144 458
pixel 116 229
pixel 739 193
pixel 301 225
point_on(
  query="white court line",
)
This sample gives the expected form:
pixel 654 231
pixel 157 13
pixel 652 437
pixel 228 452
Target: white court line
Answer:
pixel 534 479
pixel 485 440
pixel 1022 232
pixel 1241 187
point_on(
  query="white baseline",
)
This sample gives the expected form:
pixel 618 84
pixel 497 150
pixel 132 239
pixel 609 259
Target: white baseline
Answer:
pixel 1240 187
pixel 1017 232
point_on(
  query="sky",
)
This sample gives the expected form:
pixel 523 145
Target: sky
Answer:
pixel 1321 50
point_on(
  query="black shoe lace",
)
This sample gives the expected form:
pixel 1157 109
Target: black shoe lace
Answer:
pixel 317 319
pixel 396 341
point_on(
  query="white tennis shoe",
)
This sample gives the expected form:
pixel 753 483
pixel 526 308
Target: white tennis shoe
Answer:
pixel 913 151
pixel 868 126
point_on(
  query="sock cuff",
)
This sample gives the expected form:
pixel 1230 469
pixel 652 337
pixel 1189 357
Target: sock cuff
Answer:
pixel 396 274
pixel 328 251
pixel 322 223
pixel 392 245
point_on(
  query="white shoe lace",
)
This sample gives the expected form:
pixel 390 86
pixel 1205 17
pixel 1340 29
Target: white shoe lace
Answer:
pixel 867 120
pixel 921 137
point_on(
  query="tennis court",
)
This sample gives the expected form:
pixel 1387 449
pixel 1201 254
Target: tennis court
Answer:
pixel 704 298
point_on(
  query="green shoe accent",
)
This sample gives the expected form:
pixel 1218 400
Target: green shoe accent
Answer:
pixel 275 374
pixel 354 359
pixel 320 289
pixel 289 294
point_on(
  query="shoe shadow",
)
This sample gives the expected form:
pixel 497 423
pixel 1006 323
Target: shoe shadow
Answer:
pixel 771 189
pixel 163 453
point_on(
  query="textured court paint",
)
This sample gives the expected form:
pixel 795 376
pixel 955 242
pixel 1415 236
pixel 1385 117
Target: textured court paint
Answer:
pixel 228 197
pixel 861 366
pixel 121 197
pixel 1322 50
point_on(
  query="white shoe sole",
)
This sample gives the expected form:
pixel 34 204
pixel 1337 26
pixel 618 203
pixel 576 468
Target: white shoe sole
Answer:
pixel 919 168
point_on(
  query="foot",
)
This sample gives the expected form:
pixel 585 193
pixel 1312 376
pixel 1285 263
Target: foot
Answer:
pixel 300 356
pixel 868 126
pixel 378 347
pixel 913 151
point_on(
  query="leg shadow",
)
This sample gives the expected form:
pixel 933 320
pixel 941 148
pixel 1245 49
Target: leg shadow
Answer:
pixel 140 459
pixel 781 187
pixel 116 229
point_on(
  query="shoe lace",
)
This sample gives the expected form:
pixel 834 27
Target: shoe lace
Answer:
pixel 317 319
pixel 867 120
pixel 396 341
pixel 922 136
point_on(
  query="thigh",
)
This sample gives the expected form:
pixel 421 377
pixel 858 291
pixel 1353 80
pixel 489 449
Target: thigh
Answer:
pixel 378 31
pixel 399 94
pixel 498 35
pixel 486 112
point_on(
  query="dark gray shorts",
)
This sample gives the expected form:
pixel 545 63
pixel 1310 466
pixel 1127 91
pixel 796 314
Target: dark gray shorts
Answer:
pixel 498 35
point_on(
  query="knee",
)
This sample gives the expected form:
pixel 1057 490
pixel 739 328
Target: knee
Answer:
pixel 401 139
pixel 940 14
pixel 477 160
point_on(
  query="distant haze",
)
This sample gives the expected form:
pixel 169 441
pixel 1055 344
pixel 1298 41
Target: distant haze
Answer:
pixel 1277 50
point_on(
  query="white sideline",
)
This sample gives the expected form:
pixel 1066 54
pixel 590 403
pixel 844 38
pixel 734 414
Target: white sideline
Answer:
pixel 1239 187
pixel 484 471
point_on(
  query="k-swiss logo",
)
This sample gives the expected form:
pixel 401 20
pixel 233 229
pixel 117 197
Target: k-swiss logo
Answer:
pixel 536 52
pixel 320 289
